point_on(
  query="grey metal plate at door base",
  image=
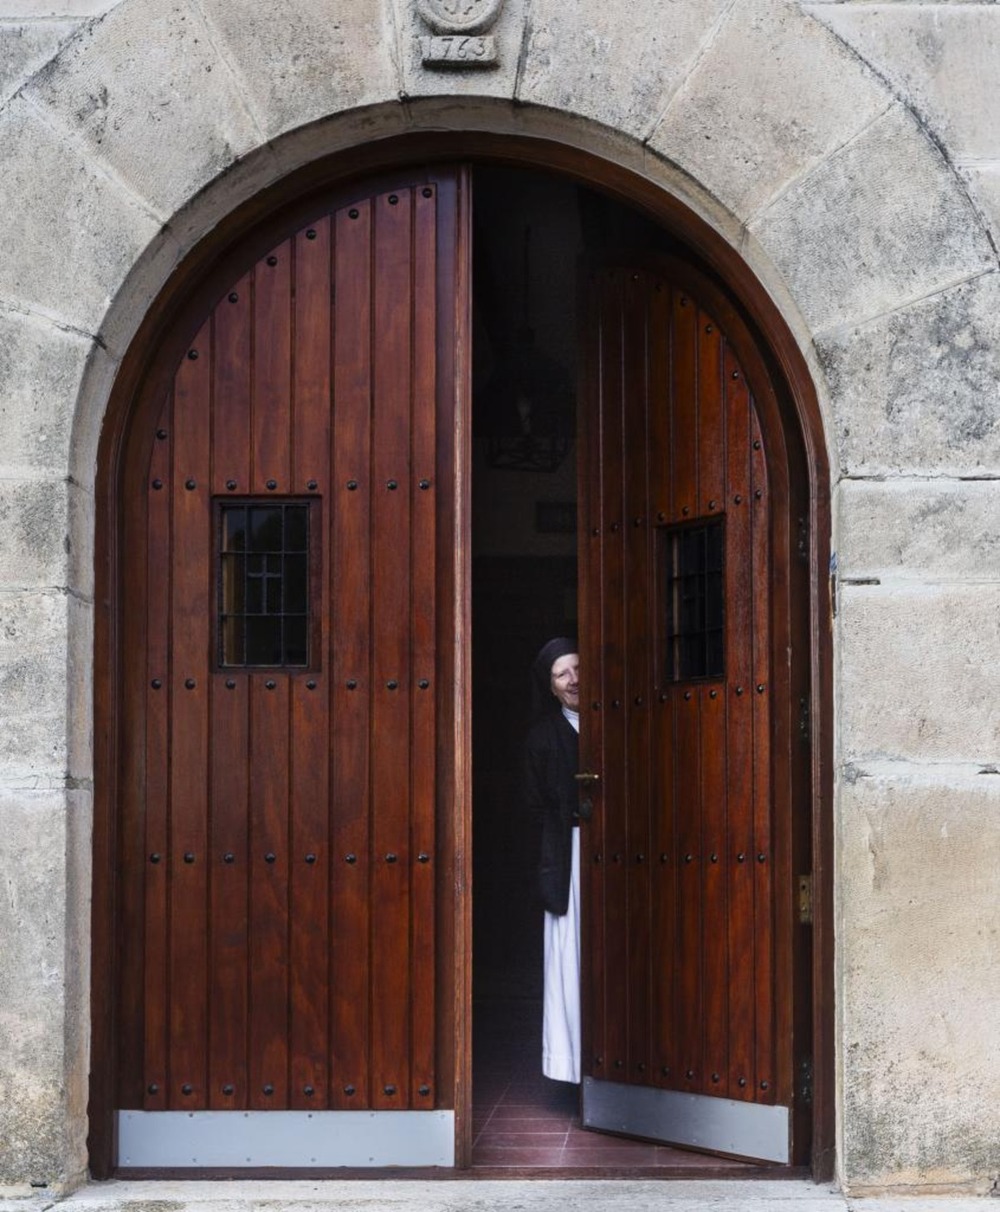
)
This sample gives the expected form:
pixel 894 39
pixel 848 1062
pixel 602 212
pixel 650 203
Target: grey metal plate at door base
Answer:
pixel 237 1139
pixel 699 1121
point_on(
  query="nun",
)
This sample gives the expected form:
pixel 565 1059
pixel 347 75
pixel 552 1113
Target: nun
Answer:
pixel 551 760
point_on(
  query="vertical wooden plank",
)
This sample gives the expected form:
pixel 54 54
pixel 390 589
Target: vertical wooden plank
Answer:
pixel 423 625
pixel 269 865
pixel 739 752
pixel 311 358
pixel 688 990
pixel 230 731
pixel 272 384
pixel 189 683
pixel 229 858
pixel 309 815
pixel 684 408
pixel 156 690
pixel 636 696
pixel 309 875
pixel 231 390
pixel 350 596
pixel 715 919
pixel 764 887
pixel 613 690
pixel 662 847
pixel 453 458
pixel 269 705
pixel 392 336
pixel 593 848
pixel 711 417
pixel 687 759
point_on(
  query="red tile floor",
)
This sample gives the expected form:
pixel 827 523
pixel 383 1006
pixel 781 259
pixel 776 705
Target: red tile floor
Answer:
pixel 524 1121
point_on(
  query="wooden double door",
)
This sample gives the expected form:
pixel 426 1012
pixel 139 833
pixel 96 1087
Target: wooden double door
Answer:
pixel 291 904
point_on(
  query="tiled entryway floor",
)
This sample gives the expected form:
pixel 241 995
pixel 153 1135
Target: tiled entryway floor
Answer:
pixel 524 1121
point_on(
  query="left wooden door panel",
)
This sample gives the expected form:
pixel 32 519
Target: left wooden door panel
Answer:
pixel 281 696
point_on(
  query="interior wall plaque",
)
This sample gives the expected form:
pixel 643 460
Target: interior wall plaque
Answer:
pixel 459 32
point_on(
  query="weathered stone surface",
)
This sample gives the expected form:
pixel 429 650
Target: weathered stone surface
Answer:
pixel 863 233
pixel 55 8
pixel 460 1195
pixel 880 223
pixel 145 89
pixel 33 975
pixel 67 214
pixel 616 67
pixel 34 533
pixel 80 543
pixel 984 184
pixel 79 725
pixel 918 390
pixel 810 96
pixel 25 46
pixel 919 531
pixel 417 80
pixel 937 60
pixel 33 686
pixel 919 938
pixel 40 369
pixel 298 63
pixel 918 673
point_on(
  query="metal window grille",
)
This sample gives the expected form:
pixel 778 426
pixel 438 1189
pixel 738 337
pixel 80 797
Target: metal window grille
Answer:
pixel 263 585
pixel 693 563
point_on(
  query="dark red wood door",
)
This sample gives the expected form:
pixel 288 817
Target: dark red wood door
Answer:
pixel 285 693
pixel 685 659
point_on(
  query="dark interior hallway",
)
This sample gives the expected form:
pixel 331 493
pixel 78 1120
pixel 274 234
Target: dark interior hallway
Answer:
pixel 530 235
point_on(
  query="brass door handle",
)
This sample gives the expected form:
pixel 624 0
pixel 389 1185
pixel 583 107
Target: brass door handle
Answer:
pixel 586 776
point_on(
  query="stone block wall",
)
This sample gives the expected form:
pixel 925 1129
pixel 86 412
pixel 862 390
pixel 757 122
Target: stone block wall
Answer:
pixel 850 151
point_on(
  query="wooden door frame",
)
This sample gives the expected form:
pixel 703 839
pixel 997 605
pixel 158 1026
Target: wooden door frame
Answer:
pixel 151 356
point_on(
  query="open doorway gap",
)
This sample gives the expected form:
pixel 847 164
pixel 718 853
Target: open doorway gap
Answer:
pixel 532 235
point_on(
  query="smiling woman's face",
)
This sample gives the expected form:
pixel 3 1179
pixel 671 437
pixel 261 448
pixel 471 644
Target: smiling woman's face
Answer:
pixel 565 680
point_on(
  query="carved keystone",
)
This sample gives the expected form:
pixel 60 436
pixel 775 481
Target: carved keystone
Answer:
pixel 460 37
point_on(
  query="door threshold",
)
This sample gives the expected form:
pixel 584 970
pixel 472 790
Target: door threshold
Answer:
pixel 711 1169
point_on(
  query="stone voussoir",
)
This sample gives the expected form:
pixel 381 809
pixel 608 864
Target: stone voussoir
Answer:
pixel 618 69
pixel 854 243
pixel 298 63
pixel 917 391
pixel 166 120
pixel 25 46
pixel 68 212
pixel 811 96
pixel 937 57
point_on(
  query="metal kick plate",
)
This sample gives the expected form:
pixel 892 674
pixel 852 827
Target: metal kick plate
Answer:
pixel 234 1139
pixel 699 1121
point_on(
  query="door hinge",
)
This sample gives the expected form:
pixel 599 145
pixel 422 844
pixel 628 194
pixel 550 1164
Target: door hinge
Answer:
pixel 805 721
pixel 806 899
pixel 802 545
pixel 806 1080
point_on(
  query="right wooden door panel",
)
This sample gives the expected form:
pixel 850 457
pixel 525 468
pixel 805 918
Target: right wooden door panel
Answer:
pixel 685 655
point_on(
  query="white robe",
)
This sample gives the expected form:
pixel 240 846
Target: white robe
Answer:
pixel 561 1001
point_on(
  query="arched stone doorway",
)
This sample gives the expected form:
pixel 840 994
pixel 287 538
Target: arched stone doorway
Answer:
pixel 152 365
pixel 848 201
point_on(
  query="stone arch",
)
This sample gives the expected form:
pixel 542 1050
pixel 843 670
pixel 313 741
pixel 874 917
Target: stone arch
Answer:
pixel 834 194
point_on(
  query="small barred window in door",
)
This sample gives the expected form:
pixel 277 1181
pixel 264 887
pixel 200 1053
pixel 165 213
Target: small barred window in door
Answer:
pixel 692 562
pixel 263 587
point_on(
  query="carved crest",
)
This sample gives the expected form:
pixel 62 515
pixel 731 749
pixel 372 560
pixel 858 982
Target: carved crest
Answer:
pixel 459 16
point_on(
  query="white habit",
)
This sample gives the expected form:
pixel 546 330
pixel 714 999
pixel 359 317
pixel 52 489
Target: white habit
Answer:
pixel 561 1004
